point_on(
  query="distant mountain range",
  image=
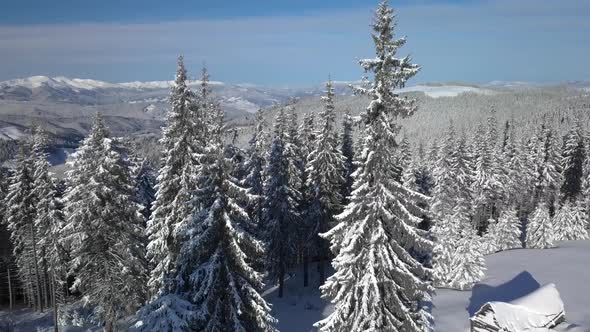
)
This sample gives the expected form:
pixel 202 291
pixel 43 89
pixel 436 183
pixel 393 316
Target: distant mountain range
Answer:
pixel 65 106
pixel 236 97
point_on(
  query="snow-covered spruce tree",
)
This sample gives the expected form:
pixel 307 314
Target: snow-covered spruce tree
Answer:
pixel 281 216
pixel 519 175
pixel 307 247
pixel 325 175
pixel 20 219
pixel 572 162
pixel 432 155
pixel 3 192
pixel 507 231
pixel 458 256
pixel 378 285
pixel 254 166
pixel 307 134
pixel 418 177
pixel 294 152
pixel 585 200
pixel 214 272
pixel 403 158
pixel 347 148
pixel 508 132
pixel 181 141
pixel 465 168
pixel 103 228
pixel 488 185
pixel 49 221
pixel 451 175
pixel 570 222
pixel 529 160
pixel 547 166
pixel 469 263
pixel 488 239
pixel 206 104
pixel 296 156
pixel 445 193
pixel 446 234
pixel 540 231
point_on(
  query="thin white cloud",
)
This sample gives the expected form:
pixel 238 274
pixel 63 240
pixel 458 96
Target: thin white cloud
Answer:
pixel 324 41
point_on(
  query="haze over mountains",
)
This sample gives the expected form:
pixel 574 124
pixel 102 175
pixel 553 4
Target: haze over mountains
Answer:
pixel 65 105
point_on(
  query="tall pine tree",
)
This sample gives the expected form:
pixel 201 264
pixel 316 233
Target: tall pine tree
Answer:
pixel 20 218
pixel 378 285
pixel 214 271
pixel 281 215
pixel 49 222
pixel 181 142
pixel 572 163
pixel 547 169
pixel 103 228
pixel 488 185
pixel 325 175
pixel 255 167
pixel 347 149
pixel 540 231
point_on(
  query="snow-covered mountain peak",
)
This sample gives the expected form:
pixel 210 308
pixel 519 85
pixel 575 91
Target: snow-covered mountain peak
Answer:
pixel 152 85
pixel 35 82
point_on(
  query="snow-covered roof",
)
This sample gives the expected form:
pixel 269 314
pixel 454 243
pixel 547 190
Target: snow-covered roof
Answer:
pixel 542 308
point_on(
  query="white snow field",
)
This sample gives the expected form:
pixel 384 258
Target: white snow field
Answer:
pixel 510 275
pixel 515 273
pixel 437 91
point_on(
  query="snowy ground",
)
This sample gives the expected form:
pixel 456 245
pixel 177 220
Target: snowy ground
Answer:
pixel 301 307
pixel 511 274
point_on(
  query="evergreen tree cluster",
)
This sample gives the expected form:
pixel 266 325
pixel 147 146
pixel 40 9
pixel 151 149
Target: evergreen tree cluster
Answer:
pixel 84 236
pixel 514 190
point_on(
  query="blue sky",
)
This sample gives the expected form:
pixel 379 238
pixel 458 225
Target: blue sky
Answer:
pixel 292 42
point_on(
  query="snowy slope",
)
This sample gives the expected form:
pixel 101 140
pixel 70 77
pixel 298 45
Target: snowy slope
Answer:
pixel 11 133
pixel 515 273
pixel 159 84
pixel 35 82
pixel 437 91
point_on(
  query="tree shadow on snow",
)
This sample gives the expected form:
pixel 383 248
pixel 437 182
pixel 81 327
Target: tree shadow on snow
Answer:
pixel 519 286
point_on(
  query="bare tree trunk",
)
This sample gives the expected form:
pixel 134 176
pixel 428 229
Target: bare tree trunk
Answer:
pixel 29 289
pixel 322 251
pixel 322 269
pixel 9 289
pixel 305 268
pixel 281 282
pixel 32 230
pixel 46 282
pixel 110 324
pixel 54 303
